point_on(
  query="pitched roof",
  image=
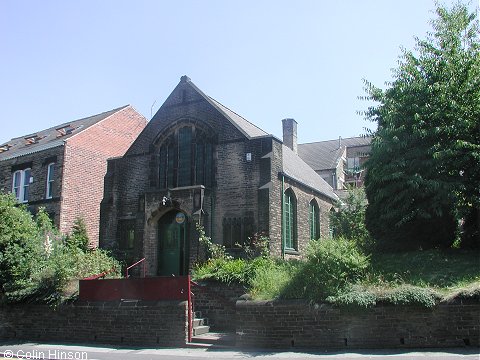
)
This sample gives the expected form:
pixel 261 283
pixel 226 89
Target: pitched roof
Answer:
pixel 295 168
pixel 243 125
pixel 324 155
pixel 51 137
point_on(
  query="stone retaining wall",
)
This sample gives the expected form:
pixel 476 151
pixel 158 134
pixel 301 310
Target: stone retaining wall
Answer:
pixel 128 322
pixel 288 324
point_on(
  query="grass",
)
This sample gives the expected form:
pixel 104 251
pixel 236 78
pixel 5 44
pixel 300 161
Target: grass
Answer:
pixel 436 269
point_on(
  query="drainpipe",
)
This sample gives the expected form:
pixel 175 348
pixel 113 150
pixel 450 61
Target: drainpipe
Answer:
pixel 212 222
pixel 283 218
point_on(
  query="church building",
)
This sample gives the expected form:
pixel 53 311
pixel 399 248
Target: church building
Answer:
pixel 199 161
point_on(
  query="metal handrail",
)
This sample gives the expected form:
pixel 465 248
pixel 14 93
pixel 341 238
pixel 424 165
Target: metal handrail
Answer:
pixel 101 275
pixel 131 266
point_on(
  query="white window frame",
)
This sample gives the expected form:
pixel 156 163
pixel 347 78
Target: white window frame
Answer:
pixel 50 180
pixel 21 191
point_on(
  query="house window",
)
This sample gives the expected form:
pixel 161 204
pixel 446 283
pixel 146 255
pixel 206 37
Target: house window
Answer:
pixel 314 220
pixel 126 230
pixel 236 231
pixel 290 215
pixel 50 180
pixel 186 158
pixel 21 183
pixel 353 163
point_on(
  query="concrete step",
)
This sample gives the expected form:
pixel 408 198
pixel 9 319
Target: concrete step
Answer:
pixel 200 322
pixel 215 338
pixel 200 330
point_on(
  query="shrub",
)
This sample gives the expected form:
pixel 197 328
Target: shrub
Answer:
pixel 411 295
pixel 331 265
pixel 79 237
pixel 273 279
pixel 355 296
pixel 214 251
pixel 35 262
pixel 349 220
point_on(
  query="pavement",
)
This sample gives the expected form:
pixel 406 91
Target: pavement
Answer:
pixel 44 351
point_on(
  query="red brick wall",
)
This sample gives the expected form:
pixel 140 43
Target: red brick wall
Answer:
pixel 85 166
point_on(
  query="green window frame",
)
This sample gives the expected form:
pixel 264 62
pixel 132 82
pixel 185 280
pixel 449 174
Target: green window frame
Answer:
pixel 314 220
pixel 290 209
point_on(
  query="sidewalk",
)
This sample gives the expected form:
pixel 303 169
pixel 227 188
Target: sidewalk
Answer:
pixel 41 351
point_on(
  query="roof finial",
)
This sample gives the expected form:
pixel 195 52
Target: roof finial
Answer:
pixel 184 78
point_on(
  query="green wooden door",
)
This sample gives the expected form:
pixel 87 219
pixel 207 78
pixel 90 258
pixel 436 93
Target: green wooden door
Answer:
pixel 171 246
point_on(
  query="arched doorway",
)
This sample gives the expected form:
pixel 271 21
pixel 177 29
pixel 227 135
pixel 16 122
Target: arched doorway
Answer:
pixel 172 244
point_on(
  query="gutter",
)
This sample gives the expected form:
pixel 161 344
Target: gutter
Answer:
pixel 283 217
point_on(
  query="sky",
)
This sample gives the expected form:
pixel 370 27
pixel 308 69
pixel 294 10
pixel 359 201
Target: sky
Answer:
pixel 265 60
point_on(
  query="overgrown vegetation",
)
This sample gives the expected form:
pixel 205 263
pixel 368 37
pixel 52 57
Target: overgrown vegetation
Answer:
pixel 349 221
pixel 37 263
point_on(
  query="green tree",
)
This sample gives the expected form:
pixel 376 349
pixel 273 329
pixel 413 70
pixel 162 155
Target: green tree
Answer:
pixel 349 220
pixel 79 237
pixel 424 170
pixel 18 248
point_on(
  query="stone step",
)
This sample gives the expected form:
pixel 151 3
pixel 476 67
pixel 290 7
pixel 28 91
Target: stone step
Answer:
pixel 199 322
pixel 200 330
pixel 215 338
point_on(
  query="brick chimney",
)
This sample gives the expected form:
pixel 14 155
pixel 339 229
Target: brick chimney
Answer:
pixel 290 134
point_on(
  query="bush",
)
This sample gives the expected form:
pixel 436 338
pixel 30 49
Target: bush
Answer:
pixel 331 265
pixel 349 220
pixel 35 262
pixel 272 279
pixel 79 237
pixel 411 295
pixel 355 296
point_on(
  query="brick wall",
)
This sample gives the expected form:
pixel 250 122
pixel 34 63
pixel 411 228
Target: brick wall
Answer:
pixel 128 323
pixel 85 166
pixel 289 324
pixel 38 162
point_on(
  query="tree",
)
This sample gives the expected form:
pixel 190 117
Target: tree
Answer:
pixel 349 220
pixel 423 175
pixel 78 239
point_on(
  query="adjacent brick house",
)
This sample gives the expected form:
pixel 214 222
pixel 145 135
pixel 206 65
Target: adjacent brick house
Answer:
pixel 62 168
pixel 338 162
pixel 197 160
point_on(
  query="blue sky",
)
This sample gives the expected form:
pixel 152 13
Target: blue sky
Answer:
pixel 266 60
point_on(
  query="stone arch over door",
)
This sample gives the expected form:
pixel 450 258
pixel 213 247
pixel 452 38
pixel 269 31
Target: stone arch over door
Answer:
pixel 173 244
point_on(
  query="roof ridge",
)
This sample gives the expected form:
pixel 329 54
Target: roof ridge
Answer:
pixel 343 138
pixel 68 122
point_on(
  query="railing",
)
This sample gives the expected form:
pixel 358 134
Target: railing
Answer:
pixel 99 276
pixel 131 266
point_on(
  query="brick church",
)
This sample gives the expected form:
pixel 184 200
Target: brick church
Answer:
pixel 199 161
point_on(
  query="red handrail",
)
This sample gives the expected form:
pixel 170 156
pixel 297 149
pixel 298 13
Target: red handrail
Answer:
pixel 98 276
pixel 138 262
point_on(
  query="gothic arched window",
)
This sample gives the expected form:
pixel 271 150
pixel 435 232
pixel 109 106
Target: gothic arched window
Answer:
pixel 186 158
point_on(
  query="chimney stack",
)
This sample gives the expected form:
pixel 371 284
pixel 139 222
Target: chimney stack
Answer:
pixel 290 134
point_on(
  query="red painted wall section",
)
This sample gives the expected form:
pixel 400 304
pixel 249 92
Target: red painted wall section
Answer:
pixel 85 166
pixel 149 289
